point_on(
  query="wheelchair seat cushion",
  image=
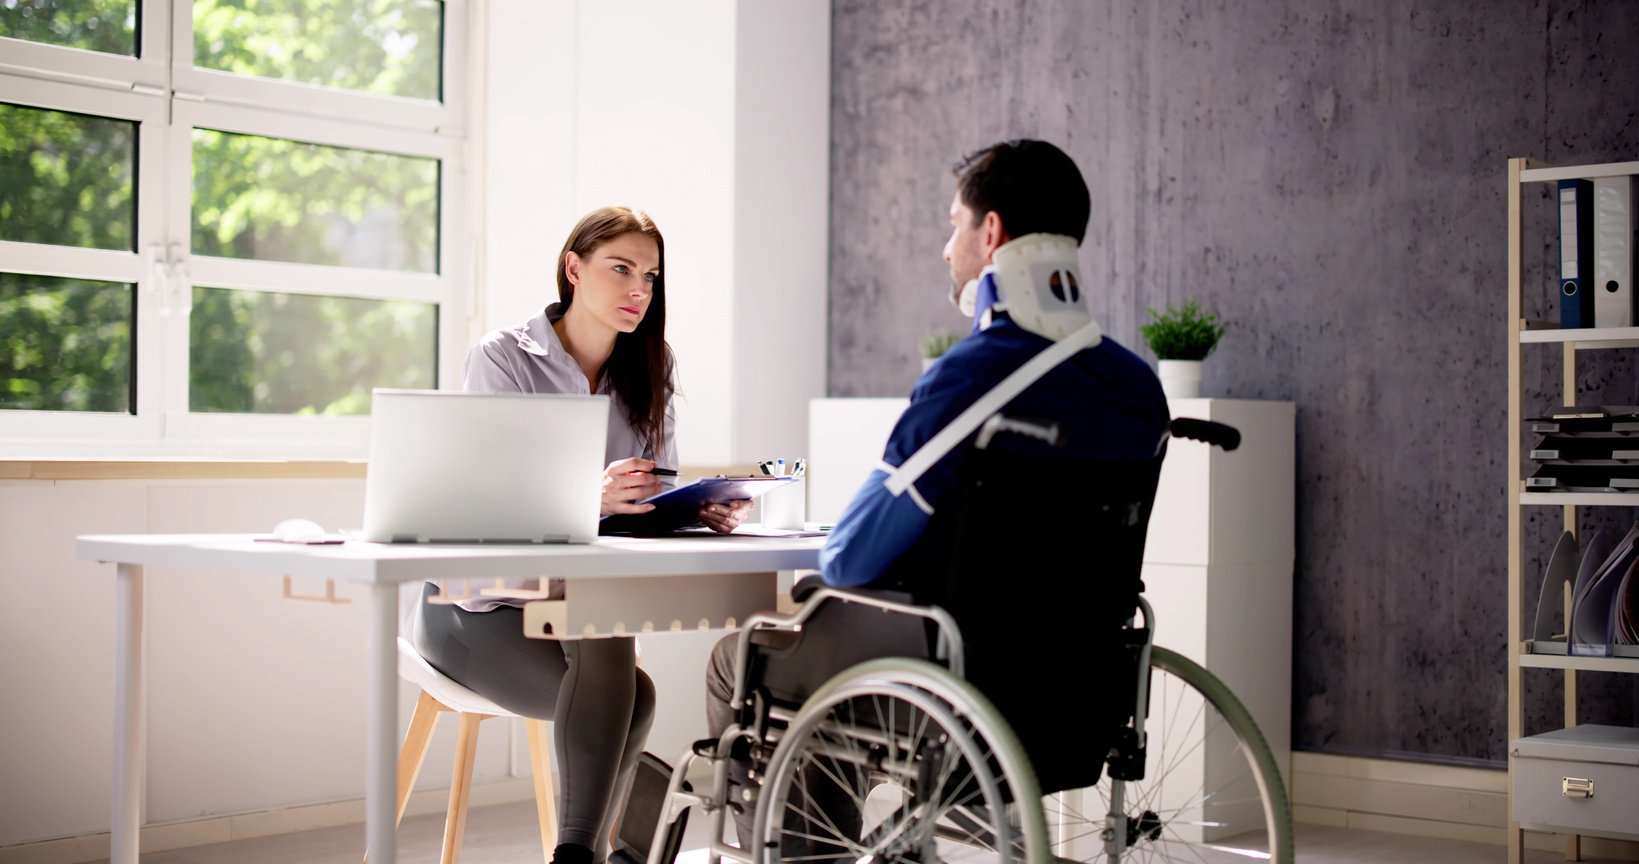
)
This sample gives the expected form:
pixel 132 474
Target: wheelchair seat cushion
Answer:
pixel 788 666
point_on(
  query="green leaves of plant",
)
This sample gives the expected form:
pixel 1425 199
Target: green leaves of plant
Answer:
pixel 935 345
pixel 1182 332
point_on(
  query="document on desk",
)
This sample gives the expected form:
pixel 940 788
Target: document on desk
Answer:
pixel 760 531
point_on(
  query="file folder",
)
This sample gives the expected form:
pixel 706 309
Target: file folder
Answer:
pixel 1575 253
pixel 1560 573
pixel 679 507
pixel 1591 608
pixel 1555 477
pixel 1625 616
pixel 1587 450
pixel 1592 426
pixel 1588 420
pixel 1613 243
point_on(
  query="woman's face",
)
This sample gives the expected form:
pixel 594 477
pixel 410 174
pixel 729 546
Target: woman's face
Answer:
pixel 615 282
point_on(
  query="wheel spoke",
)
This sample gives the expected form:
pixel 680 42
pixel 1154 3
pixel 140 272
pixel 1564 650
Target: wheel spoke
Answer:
pixel 899 726
pixel 1211 791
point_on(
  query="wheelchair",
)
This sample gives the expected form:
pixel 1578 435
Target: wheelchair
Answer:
pixel 912 725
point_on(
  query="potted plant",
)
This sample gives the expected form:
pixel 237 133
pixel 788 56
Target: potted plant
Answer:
pixel 935 345
pixel 1182 337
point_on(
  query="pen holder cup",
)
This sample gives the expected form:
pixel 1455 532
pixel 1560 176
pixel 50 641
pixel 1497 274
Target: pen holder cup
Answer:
pixel 784 508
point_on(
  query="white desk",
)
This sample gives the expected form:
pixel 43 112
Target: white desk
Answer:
pixel 616 586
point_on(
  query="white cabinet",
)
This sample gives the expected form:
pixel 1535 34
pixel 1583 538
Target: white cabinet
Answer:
pixel 1218 560
pixel 845 442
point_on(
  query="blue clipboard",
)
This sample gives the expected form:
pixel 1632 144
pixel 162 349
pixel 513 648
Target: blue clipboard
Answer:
pixel 679 507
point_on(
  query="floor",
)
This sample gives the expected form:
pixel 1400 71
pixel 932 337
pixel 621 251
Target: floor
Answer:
pixel 508 834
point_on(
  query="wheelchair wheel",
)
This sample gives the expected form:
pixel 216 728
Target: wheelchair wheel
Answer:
pixel 1211 789
pixel 898 760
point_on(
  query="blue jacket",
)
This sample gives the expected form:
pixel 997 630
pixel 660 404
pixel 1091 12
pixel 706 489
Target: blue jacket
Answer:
pixel 1106 398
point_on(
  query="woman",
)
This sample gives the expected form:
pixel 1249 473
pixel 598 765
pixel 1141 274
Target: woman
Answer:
pixel 605 335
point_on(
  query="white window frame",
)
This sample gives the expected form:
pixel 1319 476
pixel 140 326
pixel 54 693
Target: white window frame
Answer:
pixel 144 73
pixel 164 270
pixel 134 267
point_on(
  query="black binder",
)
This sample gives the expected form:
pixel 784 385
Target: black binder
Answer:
pixel 1575 254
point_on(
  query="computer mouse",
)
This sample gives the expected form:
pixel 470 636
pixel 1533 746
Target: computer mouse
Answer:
pixel 295 530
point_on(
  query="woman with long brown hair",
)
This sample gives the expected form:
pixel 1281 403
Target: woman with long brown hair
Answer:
pixel 605 335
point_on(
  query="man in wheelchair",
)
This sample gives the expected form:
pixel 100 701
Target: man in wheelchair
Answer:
pixel 1033 441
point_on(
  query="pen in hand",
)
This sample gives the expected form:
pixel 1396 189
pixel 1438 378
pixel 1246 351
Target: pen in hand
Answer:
pixel 662 472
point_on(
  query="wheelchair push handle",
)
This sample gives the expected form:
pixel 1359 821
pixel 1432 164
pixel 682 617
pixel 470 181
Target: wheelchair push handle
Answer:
pixel 1216 434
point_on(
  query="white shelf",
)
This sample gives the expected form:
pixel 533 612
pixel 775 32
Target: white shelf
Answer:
pixel 1585 337
pixel 1581 499
pixel 1580 664
pixel 1576 172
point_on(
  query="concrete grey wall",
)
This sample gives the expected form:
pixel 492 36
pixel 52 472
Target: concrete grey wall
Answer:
pixel 1329 177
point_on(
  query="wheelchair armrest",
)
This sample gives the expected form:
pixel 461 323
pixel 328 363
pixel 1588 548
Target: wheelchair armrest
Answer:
pixel 807 585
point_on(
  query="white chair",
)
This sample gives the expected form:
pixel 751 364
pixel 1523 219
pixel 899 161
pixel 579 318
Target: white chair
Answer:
pixel 440 694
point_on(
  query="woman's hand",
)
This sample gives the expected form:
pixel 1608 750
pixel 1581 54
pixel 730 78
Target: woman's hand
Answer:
pixel 626 482
pixel 724 518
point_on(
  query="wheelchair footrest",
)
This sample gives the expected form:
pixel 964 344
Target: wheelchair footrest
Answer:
pixel 635 834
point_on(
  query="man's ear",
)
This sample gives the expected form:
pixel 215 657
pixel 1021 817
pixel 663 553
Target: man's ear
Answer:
pixel 992 233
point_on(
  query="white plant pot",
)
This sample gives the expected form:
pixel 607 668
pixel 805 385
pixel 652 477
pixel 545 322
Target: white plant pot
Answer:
pixel 927 363
pixel 1180 379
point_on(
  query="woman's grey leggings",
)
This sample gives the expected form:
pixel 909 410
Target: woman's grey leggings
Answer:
pixel 600 704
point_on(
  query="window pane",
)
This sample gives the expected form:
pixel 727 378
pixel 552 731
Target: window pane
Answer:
pixel 65 344
pixel 66 179
pixel 277 200
pixel 260 352
pixel 109 26
pixel 388 47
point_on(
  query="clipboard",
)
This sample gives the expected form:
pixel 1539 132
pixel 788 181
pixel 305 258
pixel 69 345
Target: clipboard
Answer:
pixel 679 507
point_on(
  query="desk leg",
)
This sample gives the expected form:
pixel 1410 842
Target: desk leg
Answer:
pixel 380 761
pixel 129 715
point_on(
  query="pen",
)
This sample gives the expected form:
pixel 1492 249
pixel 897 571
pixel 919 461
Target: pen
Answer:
pixel 663 472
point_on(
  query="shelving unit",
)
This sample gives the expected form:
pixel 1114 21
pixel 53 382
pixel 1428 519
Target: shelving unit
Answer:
pixel 1523 332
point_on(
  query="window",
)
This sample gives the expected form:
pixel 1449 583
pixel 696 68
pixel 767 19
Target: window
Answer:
pixel 226 248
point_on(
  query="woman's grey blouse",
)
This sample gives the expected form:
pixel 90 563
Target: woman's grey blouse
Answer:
pixel 531 359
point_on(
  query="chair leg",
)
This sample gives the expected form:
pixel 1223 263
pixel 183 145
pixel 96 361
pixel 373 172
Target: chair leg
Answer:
pixel 417 739
pixel 546 802
pixel 455 823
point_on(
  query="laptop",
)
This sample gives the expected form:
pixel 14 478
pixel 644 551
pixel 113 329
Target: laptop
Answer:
pixel 452 467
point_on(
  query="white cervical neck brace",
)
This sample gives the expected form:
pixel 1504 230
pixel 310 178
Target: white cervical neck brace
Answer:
pixel 1038 283
pixel 1022 271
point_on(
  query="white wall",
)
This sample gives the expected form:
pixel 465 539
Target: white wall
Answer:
pixel 713 116
pixel 254 702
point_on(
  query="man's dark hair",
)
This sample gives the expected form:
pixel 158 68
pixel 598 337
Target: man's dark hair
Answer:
pixel 1033 186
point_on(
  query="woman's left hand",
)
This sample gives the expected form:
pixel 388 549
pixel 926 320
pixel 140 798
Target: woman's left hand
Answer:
pixel 724 518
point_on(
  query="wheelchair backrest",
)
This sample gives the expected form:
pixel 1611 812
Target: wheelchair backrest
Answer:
pixel 1039 563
